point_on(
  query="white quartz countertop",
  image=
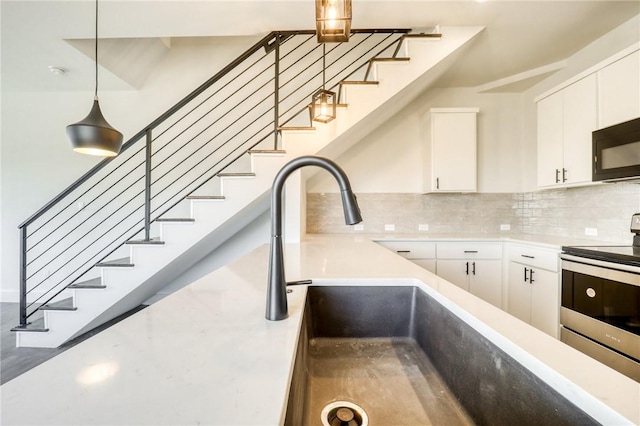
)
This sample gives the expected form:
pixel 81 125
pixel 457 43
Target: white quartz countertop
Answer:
pixel 206 355
pixel 545 241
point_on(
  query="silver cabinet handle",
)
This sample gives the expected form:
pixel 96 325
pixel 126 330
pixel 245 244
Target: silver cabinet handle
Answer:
pixel 531 276
pixel 527 256
pixel 525 274
pixel 471 251
pixel 473 271
pixel 403 251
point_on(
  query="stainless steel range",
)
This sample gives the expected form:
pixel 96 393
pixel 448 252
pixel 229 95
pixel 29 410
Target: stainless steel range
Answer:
pixel 600 309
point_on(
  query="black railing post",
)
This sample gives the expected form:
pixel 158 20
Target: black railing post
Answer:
pixel 147 188
pixel 276 92
pixel 23 277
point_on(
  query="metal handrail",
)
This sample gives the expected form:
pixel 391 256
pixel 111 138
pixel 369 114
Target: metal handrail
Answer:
pixel 232 147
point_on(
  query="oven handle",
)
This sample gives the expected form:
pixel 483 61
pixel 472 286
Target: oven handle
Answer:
pixel 615 272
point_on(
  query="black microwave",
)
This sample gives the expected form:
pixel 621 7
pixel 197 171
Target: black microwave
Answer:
pixel 616 152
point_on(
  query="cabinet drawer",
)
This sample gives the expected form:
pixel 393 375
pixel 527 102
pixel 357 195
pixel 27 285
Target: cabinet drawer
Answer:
pixel 470 250
pixel 412 249
pixel 534 256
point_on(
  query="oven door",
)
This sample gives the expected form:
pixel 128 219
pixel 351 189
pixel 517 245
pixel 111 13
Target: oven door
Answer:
pixel 602 304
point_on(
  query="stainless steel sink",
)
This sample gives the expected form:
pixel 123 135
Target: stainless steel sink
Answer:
pixel 396 356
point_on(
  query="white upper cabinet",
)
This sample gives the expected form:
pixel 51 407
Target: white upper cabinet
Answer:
pixel 453 150
pixel 566 119
pixel 580 113
pixel 606 94
pixel 550 140
pixel 619 91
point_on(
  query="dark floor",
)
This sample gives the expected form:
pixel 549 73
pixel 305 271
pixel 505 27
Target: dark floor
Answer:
pixel 15 361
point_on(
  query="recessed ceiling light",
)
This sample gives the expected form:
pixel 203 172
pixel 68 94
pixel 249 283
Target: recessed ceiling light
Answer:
pixel 56 70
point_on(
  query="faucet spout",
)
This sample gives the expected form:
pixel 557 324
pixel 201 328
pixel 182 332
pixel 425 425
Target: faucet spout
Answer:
pixel 277 289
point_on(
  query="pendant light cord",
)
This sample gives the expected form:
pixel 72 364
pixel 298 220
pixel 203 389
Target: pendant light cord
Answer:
pixel 96 53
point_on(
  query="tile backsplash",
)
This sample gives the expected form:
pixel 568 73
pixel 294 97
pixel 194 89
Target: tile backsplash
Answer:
pixel 606 208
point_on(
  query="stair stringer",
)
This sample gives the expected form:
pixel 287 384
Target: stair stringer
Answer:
pixel 245 198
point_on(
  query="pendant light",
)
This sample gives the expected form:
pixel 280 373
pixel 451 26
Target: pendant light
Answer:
pixel 94 135
pixel 333 20
pixel 323 102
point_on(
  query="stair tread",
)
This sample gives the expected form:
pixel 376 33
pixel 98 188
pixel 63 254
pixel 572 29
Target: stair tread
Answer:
pixel 359 82
pixel 175 219
pixel 205 197
pixel 422 35
pixel 61 305
pixel 94 284
pixel 152 241
pixel 240 174
pixel 90 284
pixel 401 59
pixel 337 105
pixel 116 263
pixel 36 326
pixel 297 128
pixel 267 151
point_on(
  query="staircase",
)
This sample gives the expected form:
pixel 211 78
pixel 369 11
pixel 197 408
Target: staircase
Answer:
pixel 202 171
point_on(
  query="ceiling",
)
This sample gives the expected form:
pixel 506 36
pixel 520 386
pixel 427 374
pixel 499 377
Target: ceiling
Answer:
pixel 520 36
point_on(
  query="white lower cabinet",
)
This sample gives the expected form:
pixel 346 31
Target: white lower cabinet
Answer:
pixel 482 278
pixel 422 253
pixel 530 289
pixel 533 287
pixel 473 266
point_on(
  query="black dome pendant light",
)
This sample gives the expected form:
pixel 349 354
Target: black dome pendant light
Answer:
pixel 93 135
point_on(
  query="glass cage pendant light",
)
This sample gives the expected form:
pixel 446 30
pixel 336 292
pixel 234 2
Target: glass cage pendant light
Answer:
pixel 333 20
pixel 93 135
pixel 323 102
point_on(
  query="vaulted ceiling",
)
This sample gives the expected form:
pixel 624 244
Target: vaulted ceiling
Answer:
pixel 519 35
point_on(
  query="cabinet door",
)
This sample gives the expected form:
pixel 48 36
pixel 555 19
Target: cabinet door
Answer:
pixel 486 280
pixel 519 292
pixel 454 271
pixel 619 91
pixel 550 135
pixel 579 120
pixel 545 302
pixel 453 151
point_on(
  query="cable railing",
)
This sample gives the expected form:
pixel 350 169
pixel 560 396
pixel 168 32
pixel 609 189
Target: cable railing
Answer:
pixel 242 107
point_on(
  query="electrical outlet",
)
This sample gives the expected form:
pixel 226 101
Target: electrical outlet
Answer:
pixel 423 227
pixel 358 227
pixel 505 227
pixel 593 232
pixel 389 227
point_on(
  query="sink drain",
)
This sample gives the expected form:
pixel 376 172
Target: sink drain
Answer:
pixel 343 413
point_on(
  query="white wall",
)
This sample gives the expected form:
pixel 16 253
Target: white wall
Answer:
pixel 390 158
pixel 36 160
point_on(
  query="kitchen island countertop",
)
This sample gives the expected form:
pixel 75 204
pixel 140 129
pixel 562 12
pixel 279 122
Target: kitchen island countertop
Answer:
pixel 206 355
